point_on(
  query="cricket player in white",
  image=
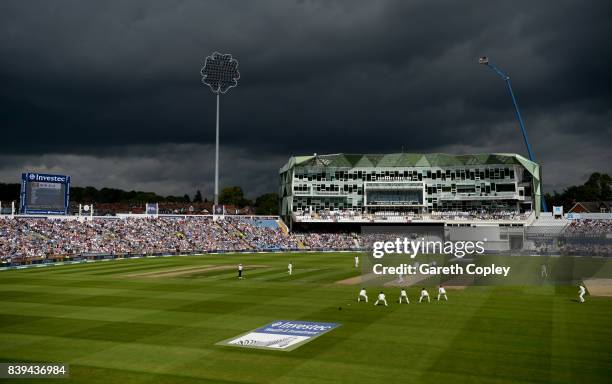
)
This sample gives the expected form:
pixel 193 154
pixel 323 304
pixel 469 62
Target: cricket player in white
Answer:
pixel 543 271
pixel 240 271
pixel 581 293
pixel 442 292
pixel 381 298
pixel 424 294
pixel 356 261
pixel 362 295
pixel 290 268
pixel 403 295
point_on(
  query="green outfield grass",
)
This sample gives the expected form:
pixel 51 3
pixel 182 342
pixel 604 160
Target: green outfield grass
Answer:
pixel 120 322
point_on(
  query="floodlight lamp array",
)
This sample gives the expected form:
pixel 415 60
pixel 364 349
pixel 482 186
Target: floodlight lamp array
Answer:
pixel 220 72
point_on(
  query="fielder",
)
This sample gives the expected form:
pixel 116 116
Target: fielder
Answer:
pixel 356 261
pixel 290 268
pixel 240 271
pixel 581 293
pixel 442 292
pixel 381 298
pixel 424 294
pixel 362 295
pixel 543 271
pixel 403 295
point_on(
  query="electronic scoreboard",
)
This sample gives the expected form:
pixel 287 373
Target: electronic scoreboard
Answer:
pixel 44 194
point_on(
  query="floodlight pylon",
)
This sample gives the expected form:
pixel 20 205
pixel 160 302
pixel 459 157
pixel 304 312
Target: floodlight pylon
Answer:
pixel 220 73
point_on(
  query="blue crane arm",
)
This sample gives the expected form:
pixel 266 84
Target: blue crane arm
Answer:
pixel 506 78
pixel 499 72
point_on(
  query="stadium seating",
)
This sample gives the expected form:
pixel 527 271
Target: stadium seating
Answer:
pixel 42 237
pixel 39 238
pixel 398 216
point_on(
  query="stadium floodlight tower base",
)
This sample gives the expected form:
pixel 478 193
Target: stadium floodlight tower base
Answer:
pixel 220 73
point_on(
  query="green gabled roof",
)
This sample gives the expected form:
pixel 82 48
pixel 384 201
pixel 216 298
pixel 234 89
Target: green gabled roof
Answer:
pixel 421 161
pixel 353 159
pixel 410 158
pixel 440 159
pixel 375 159
pixel 342 160
pixel 339 160
pixel 365 161
pixel 390 160
pixel 295 160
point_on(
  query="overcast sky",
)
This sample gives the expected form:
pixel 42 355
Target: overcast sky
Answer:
pixel 110 93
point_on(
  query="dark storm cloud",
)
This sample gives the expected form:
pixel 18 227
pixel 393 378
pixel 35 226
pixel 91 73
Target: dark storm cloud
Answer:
pixel 118 82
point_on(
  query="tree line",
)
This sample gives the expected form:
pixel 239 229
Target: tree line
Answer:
pixel 596 188
pixel 264 204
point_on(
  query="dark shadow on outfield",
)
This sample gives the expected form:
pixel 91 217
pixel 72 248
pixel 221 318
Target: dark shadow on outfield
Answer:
pixel 508 336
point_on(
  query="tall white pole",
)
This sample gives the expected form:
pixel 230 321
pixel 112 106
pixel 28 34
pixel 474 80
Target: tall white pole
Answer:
pixel 220 73
pixel 217 157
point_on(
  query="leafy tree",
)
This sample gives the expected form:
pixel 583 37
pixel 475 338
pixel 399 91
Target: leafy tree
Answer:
pixel 9 192
pixel 198 197
pixel 234 196
pixel 267 204
pixel 596 188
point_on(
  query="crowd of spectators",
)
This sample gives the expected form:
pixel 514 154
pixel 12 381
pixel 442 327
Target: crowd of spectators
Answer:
pixel 587 237
pixel 349 215
pixel 585 249
pixel 23 238
pixel 47 237
pixel 479 215
pixel 580 237
pixel 589 227
pixel 339 240
pixel 259 234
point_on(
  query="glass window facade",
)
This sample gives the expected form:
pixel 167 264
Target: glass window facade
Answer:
pixel 455 183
